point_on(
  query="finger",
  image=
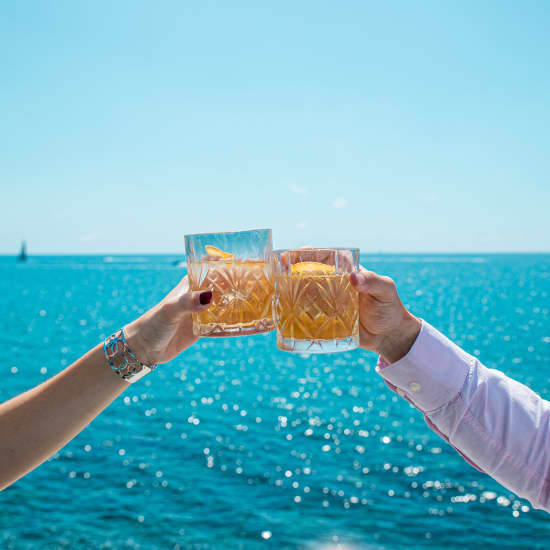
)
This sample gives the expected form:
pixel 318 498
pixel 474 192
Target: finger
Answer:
pixel 179 289
pixel 378 286
pixel 367 339
pixel 188 302
pixel 194 302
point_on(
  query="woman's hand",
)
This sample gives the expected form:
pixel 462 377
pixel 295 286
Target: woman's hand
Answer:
pixel 385 325
pixel 167 329
pixel 37 423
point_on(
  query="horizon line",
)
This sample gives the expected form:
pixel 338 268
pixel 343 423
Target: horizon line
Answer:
pixel 370 253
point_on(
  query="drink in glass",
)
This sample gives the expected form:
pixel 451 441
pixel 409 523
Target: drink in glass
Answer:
pixel 237 268
pixel 315 307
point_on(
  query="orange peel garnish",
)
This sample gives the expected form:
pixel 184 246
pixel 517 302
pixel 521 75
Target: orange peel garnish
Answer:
pixel 302 268
pixel 215 251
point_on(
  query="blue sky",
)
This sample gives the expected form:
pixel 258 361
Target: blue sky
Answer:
pixel 392 126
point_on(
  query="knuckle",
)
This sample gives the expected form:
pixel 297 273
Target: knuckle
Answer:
pixel 186 300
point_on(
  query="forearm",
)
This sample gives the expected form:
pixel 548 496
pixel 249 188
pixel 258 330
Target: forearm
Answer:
pixel 37 423
pixel 503 427
pixel 496 423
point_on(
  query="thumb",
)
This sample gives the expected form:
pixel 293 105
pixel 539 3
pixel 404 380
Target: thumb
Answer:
pixel 378 286
pixel 190 302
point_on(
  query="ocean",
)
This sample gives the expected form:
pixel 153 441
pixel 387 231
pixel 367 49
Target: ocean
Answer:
pixel 236 445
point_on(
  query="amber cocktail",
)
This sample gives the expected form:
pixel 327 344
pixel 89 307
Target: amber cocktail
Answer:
pixel 315 307
pixel 237 267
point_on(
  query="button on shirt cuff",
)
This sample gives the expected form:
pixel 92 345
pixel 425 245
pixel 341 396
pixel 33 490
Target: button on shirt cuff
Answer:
pixel 433 372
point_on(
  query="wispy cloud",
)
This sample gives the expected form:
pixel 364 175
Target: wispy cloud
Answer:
pixel 340 202
pixel 297 190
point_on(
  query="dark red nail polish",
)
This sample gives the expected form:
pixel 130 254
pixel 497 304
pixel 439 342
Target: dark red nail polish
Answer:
pixel 205 297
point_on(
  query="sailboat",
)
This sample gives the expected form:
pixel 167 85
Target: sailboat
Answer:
pixel 23 254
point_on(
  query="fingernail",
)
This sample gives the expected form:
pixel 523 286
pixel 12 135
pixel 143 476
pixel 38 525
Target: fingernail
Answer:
pixel 205 297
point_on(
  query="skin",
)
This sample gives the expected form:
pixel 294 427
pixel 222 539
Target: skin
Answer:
pixel 37 423
pixel 385 325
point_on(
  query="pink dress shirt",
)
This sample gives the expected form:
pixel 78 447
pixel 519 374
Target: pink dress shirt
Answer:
pixel 498 425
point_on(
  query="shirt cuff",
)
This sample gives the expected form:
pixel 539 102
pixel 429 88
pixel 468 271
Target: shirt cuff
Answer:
pixel 432 373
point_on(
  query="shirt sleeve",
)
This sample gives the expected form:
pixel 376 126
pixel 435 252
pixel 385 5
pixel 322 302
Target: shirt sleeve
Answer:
pixel 498 425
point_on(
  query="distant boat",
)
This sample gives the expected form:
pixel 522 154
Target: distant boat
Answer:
pixel 23 254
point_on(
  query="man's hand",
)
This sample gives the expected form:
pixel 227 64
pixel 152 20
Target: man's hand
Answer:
pixel 385 326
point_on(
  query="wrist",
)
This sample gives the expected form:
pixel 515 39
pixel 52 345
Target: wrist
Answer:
pixel 398 343
pixel 136 336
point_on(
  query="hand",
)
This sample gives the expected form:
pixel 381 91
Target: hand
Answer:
pixel 385 325
pixel 167 329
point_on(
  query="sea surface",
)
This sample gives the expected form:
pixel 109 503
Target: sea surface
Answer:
pixel 236 445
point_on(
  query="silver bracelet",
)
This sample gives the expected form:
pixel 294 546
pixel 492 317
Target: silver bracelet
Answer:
pixel 122 360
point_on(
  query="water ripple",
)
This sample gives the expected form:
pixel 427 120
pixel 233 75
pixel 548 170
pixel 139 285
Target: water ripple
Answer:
pixel 238 445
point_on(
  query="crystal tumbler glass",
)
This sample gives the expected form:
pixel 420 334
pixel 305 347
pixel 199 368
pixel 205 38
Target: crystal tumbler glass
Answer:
pixel 237 267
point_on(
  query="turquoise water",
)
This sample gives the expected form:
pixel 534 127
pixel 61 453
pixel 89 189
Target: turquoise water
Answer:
pixel 236 441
